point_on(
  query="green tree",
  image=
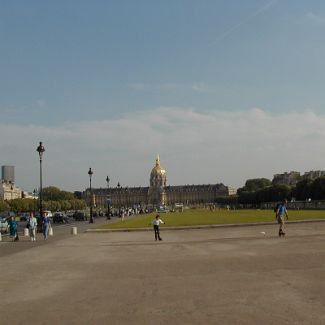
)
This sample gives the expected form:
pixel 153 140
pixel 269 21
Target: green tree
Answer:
pixel 21 205
pixel 233 200
pixel 267 194
pixel 317 189
pixel 256 184
pixel 53 193
pixel 4 206
pixel 246 197
pixel 66 205
pixel 302 190
pixel 78 204
pixel 57 200
pixel 279 193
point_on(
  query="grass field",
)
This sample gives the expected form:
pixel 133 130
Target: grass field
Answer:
pixel 206 217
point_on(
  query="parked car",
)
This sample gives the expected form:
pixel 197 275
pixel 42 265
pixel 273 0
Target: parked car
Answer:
pixel 48 213
pixel 70 214
pixel 7 214
pixel 163 209
pixel 24 216
pixel 60 217
pixel 80 216
pixel 4 226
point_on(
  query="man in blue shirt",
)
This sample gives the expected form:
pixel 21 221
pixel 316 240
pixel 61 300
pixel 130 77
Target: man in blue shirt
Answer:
pixel 46 226
pixel 282 213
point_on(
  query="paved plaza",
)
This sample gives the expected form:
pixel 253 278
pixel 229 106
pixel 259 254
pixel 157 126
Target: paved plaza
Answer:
pixel 209 276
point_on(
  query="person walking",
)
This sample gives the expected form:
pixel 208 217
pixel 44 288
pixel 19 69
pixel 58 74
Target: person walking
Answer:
pixel 156 222
pixel 276 209
pixel 32 225
pixel 13 228
pixel 280 215
pixel 46 227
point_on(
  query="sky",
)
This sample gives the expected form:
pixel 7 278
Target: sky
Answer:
pixel 222 90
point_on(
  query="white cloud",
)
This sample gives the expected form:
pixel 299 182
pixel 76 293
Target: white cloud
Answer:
pixel 202 88
pixel 199 87
pixel 195 148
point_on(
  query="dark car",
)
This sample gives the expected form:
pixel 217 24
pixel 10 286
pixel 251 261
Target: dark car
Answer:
pixel 60 217
pixel 80 216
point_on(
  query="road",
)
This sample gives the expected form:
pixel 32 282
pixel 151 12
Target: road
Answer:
pixel 240 275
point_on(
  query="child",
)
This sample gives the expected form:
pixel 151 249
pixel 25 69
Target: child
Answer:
pixel 156 223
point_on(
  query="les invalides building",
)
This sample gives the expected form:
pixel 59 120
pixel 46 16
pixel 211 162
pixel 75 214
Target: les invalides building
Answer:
pixel 158 193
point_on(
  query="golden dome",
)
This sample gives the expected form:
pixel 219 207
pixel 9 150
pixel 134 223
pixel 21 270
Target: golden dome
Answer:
pixel 158 170
pixel 158 181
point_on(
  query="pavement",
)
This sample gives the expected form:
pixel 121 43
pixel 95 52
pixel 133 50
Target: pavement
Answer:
pixel 60 231
pixel 235 275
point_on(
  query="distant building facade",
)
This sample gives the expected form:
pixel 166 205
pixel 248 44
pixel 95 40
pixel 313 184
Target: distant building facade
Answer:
pixel 8 174
pixel 287 178
pixel 158 193
pixel 313 174
pixel 8 191
pixel 293 177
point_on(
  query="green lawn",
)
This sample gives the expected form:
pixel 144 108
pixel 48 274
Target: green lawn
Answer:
pixel 206 217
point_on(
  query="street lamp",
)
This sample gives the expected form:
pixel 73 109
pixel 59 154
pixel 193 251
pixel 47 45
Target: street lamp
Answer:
pixel 34 195
pixel 40 149
pixel 119 198
pixel 91 220
pixel 108 200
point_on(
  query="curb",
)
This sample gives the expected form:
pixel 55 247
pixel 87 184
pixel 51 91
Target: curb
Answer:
pixel 203 226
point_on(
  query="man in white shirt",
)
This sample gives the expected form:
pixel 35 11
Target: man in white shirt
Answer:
pixel 156 222
pixel 32 224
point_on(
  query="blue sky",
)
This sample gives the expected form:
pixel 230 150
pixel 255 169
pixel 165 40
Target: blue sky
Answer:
pixel 73 71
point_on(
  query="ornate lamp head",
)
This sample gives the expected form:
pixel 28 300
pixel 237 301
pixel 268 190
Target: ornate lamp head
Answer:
pixel 40 149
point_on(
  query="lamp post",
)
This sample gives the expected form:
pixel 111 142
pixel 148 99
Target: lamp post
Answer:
pixel 40 149
pixel 108 200
pixel 91 220
pixel 34 195
pixel 119 199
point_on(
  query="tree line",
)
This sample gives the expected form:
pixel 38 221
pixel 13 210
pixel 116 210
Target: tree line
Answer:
pixel 53 199
pixel 254 192
pixel 259 190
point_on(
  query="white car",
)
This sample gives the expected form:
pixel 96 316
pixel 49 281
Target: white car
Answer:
pixel 48 213
pixel 4 227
